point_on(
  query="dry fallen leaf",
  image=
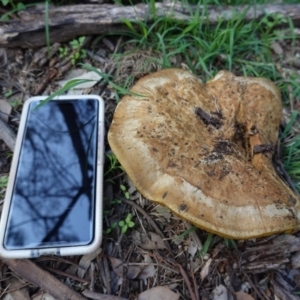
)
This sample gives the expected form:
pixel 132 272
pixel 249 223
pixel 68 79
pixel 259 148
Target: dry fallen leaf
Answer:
pixel 85 262
pixel 158 293
pixel 243 296
pixel 162 211
pixel 18 293
pixel 205 269
pixel 117 265
pixel 276 47
pixel 148 271
pixel 133 270
pixel 78 74
pixel 192 249
pixel 142 240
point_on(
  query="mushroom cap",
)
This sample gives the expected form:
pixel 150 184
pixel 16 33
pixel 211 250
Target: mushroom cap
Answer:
pixel 205 151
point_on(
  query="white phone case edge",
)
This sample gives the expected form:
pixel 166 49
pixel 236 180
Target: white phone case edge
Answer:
pixel 98 230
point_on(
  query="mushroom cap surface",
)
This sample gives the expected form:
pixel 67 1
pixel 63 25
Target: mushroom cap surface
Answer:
pixel 205 151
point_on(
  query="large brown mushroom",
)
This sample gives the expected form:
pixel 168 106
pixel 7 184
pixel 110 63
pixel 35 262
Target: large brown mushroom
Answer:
pixel 205 151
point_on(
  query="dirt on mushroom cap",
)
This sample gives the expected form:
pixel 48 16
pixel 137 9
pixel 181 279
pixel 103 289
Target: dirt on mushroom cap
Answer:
pixel 205 151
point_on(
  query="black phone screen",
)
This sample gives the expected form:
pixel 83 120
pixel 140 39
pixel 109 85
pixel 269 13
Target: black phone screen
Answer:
pixel 53 198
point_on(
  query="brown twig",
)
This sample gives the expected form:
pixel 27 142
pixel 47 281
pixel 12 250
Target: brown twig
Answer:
pixel 39 277
pixel 187 281
pixel 66 274
pixel 195 285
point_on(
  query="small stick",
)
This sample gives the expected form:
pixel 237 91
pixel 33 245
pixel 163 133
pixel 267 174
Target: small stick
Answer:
pixel 195 285
pixel 62 273
pixel 263 148
pixel 187 281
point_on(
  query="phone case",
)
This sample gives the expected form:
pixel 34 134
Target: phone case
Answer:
pixel 68 250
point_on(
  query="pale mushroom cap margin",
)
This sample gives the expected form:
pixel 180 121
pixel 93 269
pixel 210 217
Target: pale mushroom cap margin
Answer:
pixel 204 169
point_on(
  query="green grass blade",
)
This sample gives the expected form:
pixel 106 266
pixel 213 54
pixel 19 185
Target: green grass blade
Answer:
pixel 47 26
pixel 290 123
pixel 69 85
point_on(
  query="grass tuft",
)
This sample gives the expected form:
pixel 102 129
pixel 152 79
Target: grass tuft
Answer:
pixel 290 141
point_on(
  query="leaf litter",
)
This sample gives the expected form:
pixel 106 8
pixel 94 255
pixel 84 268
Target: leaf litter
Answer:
pixel 139 264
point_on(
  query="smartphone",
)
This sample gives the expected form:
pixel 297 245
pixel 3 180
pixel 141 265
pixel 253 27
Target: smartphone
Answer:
pixel 53 201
